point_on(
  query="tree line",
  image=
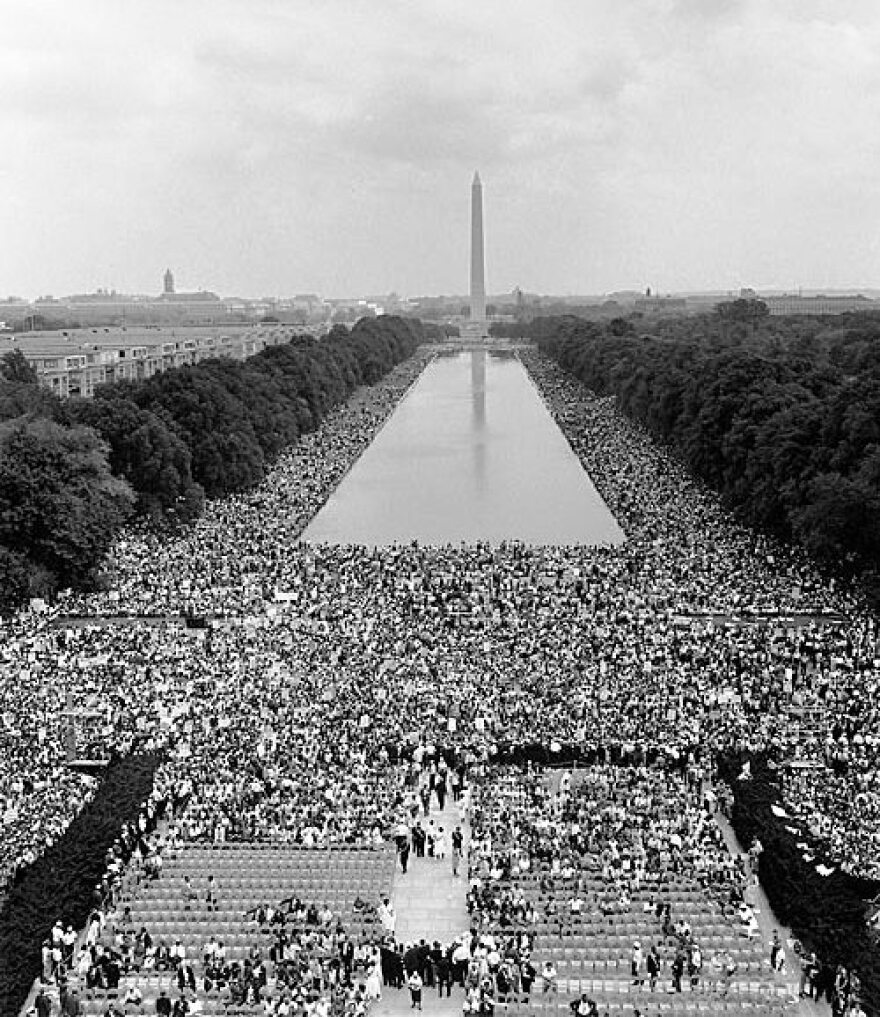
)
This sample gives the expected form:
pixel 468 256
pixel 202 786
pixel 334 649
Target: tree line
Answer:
pixel 780 416
pixel 60 884
pixel 73 471
pixel 826 913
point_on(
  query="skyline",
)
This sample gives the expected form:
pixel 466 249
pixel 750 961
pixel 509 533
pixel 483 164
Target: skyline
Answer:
pixel 687 145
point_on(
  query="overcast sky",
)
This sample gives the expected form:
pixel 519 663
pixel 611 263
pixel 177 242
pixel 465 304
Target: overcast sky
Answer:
pixel 282 146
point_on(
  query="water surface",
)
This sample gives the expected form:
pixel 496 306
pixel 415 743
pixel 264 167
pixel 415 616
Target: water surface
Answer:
pixel 470 453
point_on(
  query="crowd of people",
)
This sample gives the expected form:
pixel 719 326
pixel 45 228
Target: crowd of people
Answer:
pixel 325 675
pixel 579 859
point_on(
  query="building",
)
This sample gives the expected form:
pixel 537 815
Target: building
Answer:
pixel 819 305
pixel 74 362
pixel 168 283
pixel 660 305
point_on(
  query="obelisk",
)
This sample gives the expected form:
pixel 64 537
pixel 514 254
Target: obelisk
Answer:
pixel 478 269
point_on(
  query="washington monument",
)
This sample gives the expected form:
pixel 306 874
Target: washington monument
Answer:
pixel 478 274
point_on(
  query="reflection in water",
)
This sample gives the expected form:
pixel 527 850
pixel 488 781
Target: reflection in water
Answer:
pixel 478 404
pixel 444 470
pixel 478 386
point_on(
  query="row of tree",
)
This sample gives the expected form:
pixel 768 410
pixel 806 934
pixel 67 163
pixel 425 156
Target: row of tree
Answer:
pixel 826 913
pixel 72 471
pixel 782 417
pixel 60 884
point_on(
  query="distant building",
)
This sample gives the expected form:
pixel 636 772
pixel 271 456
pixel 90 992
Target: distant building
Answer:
pixel 819 305
pixel 660 305
pixel 73 362
pixel 168 285
pixel 623 296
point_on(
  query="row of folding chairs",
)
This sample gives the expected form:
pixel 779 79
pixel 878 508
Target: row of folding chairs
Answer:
pixel 609 954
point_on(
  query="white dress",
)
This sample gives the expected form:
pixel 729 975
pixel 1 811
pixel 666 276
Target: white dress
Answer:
pixel 373 988
pixel 387 917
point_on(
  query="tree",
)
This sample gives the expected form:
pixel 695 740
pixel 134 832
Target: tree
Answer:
pixel 620 326
pixel 749 312
pixel 14 580
pixel 60 506
pixel 146 453
pixel 18 398
pixel 784 422
pixel 838 520
pixel 15 368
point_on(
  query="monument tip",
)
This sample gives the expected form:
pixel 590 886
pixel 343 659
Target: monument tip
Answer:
pixel 477 181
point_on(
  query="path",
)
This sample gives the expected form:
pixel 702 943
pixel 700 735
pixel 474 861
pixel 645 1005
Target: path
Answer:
pixel 767 922
pixel 430 903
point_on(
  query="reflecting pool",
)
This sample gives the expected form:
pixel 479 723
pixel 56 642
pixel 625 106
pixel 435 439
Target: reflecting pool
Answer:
pixel 470 453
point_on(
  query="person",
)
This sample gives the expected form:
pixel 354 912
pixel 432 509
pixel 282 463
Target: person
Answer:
pixel 425 963
pixel 211 894
pixel 46 954
pixel 414 984
pixel 43 1003
pixel 460 957
pixel 727 972
pixel 677 969
pixel 809 966
pixel 841 991
pixel 527 976
pixel 134 998
pixel 69 941
pixel 549 975
pixel 396 969
pixel 418 840
pixel 443 969
pixel 186 977
pixel 191 894
pixel 755 852
pixel 386 915
pixel 582 1007
pixel 163 1004
pixel 695 965
pixel 486 999
pixel 440 790
pixel 373 985
pixel 403 854
pixel 636 961
pixel 163 959
pixel 71 1005
pixel 177 954
pixel 652 964
pixel 457 849
pixel 777 953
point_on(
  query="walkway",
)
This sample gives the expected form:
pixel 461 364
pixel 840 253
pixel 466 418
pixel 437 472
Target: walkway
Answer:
pixel 767 922
pixel 430 903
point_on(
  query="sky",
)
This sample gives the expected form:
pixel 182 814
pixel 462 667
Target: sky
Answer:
pixel 273 147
